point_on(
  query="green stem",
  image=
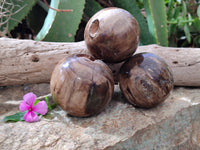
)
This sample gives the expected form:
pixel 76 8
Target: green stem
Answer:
pixel 176 22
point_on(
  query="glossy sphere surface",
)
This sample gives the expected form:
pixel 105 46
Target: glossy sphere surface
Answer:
pixel 81 85
pixel 112 35
pixel 145 80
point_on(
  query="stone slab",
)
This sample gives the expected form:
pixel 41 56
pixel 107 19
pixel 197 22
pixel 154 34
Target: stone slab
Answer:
pixel 174 125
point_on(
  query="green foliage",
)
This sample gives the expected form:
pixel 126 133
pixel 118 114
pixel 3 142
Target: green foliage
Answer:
pixel 14 118
pixel 91 7
pixel 198 11
pixel 13 12
pixel 196 23
pixel 50 106
pixel 62 26
pixel 140 3
pixel 36 101
pixel 131 6
pixel 183 23
pixel 157 21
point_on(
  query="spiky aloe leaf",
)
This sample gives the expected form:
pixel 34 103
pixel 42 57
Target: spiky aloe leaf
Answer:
pixel 157 20
pixel 131 6
pixel 13 11
pixel 62 26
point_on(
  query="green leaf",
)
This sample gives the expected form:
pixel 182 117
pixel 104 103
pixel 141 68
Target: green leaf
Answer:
pixel 176 12
pixel 14 118
pixel 197 41
pixel 47 101
pixel 157 21
pixel 14 12
pixel 190 19
pixel 36 101
pixel 198 11
pixel 62 26
pixel 131 6
pixel 181 21
pixel 197 24
pixel 91 7
pixel 42 4
pixel 187 33
pixel 184 10
pixel 172 27
pixel 170 9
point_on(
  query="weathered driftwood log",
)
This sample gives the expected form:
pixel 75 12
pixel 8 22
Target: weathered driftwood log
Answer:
pixel 28 61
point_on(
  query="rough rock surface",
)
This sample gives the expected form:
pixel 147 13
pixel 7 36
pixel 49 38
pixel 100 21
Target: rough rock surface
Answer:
pixel 174 125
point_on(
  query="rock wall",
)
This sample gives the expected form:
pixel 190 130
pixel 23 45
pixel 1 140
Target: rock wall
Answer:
pixel 173 125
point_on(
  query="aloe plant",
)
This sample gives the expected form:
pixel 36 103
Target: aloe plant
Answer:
pixel 157 21
pixel 62 26
pixel 12 12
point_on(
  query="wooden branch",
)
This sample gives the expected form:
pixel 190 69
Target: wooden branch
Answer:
pixel 28 61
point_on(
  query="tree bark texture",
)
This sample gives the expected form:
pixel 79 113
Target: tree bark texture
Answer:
pixel 28 61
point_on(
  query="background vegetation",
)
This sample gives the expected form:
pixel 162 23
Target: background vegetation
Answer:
pixel 165 22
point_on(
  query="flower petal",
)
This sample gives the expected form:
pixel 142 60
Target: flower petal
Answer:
pixel 30 98
pixel 31 117
pixel 41 108
pixel 23 106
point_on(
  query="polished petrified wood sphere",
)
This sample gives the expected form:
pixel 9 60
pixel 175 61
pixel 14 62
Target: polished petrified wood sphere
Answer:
pixel 145 80
pixel 81 85
pixel 112 35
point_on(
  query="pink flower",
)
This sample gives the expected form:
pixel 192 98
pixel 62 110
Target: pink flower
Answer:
pixel 28 104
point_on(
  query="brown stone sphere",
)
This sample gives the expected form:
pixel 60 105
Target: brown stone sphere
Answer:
pixel 112 35
pixel 81 85
pixel 145 80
